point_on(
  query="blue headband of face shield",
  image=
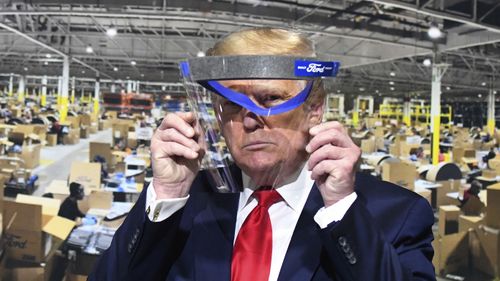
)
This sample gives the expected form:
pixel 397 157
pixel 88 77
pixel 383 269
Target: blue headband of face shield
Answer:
pixel 207 70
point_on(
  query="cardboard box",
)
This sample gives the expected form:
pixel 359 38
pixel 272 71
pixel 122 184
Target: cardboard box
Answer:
pixel 74 120
pixel 426 194
pixel 87 174
pixel 494 164
pixel 406 148
pixel 93 128
pixel 32 230
pixel 447 187
pixel 132 141
pixel 486 255
pixel 23 271
pixel 120 131
pixel 400 173
pixel 85 132
pixel 73 137
pixel 32 129
pixel 379 132
pixel 395 149
pixel 367 146
pixel 51 139
pixel 103 150
pixel 451 253
pixel 468 222
pixel 85 120
pixel 458 154
pixel 487 173
pixel 493 206
pixel 30 154
pixel 448 220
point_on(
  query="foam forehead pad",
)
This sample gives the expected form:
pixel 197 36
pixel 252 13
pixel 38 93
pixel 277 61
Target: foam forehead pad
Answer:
pixel 257 67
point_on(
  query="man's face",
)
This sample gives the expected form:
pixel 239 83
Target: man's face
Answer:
pixel 266 147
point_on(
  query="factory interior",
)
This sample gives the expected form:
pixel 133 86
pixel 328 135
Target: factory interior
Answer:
pixel 85 84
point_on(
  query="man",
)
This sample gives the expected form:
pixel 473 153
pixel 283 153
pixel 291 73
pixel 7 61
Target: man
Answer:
pixel 326 223
pixel 69 207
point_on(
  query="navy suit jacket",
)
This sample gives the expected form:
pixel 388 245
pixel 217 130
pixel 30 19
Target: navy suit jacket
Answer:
pixel 385 235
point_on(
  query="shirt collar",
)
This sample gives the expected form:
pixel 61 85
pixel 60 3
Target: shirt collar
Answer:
pixel 294 193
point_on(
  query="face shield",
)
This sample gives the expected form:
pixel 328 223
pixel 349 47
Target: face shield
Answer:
pixel 255 112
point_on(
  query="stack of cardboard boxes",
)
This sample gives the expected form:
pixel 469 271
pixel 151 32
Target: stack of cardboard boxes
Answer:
pixel 33 232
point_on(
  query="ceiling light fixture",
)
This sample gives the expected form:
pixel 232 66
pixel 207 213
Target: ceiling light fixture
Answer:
pixel 48 56
pixel 89 49
pixel 392 73
pixel 111 31
pixel 392 88
pixel 133 62
pixel 200 54
pixel 483 84
pixel 115 69
pixel 434 32
pixel 427 62
pixel 391 82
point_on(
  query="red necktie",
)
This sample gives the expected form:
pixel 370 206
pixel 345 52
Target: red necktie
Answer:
pixel 254 245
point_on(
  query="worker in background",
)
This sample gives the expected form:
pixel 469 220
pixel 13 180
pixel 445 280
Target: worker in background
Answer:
pixel 491 154
pixel 69 207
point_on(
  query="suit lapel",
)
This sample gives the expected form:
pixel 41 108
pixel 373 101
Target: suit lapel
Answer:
pixel 303 255
pixel 214 238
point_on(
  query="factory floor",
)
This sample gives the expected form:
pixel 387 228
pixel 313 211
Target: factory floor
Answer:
pixel 55 164
pixel 55 161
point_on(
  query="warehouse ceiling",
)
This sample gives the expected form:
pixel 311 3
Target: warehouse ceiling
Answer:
pixel 372 39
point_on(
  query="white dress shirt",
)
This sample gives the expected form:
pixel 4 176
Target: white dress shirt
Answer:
pixel 284 215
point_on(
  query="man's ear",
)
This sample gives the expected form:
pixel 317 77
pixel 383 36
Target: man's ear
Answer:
pixel 316 110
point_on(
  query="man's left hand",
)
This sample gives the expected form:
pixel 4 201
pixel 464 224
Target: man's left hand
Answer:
pixel 333 159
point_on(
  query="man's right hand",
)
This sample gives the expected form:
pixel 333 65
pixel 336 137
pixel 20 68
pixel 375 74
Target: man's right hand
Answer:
pixel 177 148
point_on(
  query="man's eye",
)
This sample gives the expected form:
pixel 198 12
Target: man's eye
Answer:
pixel 271 100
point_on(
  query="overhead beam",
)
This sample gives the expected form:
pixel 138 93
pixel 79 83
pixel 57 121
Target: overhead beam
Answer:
pixel 48 47
pixel 241 22
pixel 436 14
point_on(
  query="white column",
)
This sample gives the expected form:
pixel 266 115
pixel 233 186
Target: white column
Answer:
pixel 11 84
pixel 438 71
pixel 22 88
pixel 96 96
pixel 43 98
pixel 491 112
pixel 406 111
pixel 63 110
pixel 73 87
pixel 137 87
pixel 113 88
pixel 129 86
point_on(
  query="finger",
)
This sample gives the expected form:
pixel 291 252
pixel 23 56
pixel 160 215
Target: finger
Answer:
pixel 325 167
pixel 326 152
pixel 171 149
pixel 172 135
pixel 182 122
pixel 326 126
pixel 332 136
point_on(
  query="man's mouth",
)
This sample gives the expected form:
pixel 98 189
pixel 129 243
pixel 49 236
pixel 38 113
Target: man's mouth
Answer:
pixel 256 145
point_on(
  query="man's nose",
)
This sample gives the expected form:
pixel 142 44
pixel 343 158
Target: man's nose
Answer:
pixel 251 121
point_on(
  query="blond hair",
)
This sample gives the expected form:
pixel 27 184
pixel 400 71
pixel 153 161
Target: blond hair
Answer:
pixel 269 41
pixel 263 41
